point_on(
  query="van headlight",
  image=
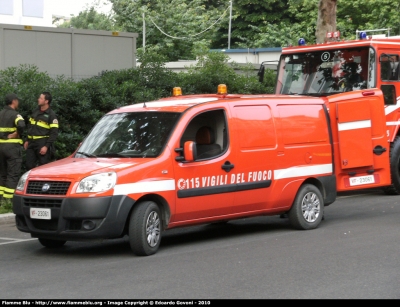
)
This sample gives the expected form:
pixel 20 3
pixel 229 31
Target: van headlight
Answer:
pixel 97 183
pixel 22 181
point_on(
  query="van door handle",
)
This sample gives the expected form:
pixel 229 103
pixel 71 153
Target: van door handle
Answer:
pixel 227 166
pixel 378 150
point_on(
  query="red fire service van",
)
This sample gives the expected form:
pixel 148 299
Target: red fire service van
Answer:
pixel 182 161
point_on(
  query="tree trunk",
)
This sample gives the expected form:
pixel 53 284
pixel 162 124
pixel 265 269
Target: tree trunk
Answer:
pixel 326 21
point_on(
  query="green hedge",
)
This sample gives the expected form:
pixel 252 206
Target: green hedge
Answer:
pixel 80 104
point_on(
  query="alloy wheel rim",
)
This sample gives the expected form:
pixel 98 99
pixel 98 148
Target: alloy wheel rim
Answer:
pixel 311 207
pixel 153 229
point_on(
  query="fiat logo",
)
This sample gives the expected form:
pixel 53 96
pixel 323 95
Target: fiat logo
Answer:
pixel 45 187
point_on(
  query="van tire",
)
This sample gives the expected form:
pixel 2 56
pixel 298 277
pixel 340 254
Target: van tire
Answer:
pixel 51 243
pixel 308 208
pixel 394 188
pixel 145 228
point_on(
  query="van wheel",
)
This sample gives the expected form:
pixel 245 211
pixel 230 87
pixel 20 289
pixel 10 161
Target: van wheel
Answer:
pixel 51 243
pixel 394 188
pixel 145 228
pixel 308 208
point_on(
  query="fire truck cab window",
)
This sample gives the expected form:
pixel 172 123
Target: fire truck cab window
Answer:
pixel 322 73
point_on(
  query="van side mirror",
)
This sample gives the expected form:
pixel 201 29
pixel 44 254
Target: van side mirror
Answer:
pixel 190 151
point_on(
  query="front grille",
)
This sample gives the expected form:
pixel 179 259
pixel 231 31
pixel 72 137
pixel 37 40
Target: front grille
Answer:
pixel 42 202
pixel 54 187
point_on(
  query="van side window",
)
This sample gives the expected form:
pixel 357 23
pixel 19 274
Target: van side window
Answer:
pixel 209 131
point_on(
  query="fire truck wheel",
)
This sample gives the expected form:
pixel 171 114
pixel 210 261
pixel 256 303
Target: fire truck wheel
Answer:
pixel 394 188
pixel 308 208
pixel 51 243
pixel 145 228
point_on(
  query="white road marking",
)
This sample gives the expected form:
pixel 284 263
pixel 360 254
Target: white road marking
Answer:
pixel 14 240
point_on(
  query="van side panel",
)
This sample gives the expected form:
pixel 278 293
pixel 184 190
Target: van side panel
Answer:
pixel 287 142
pixel 254 140
pixel 305 147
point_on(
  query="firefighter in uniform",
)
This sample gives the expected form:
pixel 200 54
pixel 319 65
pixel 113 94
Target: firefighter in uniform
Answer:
pixel 12 126
pixel 42 133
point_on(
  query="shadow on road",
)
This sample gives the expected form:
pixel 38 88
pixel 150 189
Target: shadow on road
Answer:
pixel 173 238
pixel 213 232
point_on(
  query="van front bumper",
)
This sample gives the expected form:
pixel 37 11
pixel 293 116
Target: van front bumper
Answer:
pixel 74 218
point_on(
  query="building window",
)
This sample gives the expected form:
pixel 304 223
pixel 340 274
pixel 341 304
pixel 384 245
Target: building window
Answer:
pixel 6 7
pixel 33 8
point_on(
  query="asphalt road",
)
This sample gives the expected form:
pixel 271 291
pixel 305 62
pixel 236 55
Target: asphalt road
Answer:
pixel 354 254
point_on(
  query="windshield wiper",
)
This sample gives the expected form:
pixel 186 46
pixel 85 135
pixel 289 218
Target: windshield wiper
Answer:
pixel 86 154
pixel 111 154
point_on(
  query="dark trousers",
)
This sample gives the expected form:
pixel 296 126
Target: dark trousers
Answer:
pixel 10 168
pixel 33 156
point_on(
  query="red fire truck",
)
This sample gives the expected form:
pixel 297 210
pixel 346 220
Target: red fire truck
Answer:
pixel 364 73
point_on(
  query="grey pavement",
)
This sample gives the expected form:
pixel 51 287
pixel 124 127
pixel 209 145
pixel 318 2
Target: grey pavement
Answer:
pixel 7 218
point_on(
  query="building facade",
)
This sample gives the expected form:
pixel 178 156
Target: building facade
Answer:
pixel 26 12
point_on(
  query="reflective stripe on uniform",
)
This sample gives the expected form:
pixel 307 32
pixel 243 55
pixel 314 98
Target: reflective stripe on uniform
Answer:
pixel 8 129
pixel 8 190
pixel 18 141
pixel 53 125
pixel 18 119
pixel 35 137
pixel 39 123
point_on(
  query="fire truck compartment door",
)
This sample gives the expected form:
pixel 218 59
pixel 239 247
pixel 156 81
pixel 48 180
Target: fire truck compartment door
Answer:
pixel 355 134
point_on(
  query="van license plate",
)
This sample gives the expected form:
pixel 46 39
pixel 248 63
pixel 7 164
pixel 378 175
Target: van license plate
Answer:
pixel 361 180
pixel 41 214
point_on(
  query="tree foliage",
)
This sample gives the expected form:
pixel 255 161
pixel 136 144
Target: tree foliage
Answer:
pixel 92 20
pixel 255 23
pixel 174 27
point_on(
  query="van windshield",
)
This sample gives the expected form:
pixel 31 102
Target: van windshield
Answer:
pixel 141 135
pixel 326 72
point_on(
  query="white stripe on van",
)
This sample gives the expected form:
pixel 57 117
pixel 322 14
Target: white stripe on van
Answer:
pixel 144 187
pixel 298 171
pixel 355 125
pixel 392 123
pixel 390 109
